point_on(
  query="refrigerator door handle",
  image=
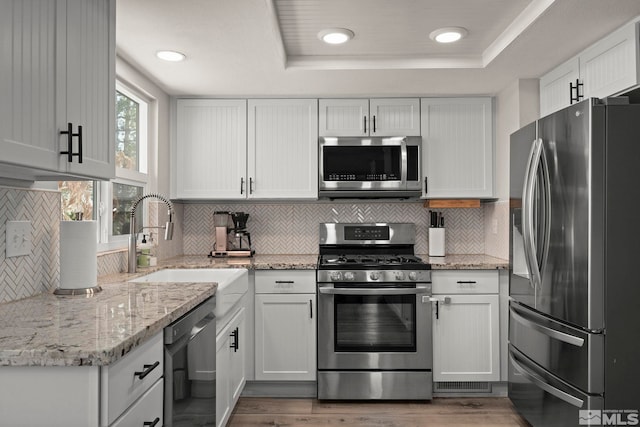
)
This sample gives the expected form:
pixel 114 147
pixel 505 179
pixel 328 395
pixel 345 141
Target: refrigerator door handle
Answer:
pixel 528 231
pixel 560 336
pixel 540 382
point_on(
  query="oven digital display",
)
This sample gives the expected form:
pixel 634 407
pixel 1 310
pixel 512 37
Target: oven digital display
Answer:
pixel 358 232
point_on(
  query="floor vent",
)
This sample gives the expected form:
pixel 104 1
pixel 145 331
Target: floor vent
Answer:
pixel 462 387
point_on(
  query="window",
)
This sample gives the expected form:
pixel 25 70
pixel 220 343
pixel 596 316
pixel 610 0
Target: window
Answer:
pixel 110 203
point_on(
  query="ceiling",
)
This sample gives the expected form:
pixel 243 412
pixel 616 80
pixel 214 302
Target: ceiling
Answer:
pixel 270 47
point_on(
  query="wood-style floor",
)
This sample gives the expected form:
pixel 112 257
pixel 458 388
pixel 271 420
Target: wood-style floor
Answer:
pixel 450 412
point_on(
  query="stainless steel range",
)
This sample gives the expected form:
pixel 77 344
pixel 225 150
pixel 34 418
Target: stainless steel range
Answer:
pixel 374 313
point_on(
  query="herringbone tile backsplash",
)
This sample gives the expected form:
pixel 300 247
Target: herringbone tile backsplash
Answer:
pixel 28 275
pixel 293 228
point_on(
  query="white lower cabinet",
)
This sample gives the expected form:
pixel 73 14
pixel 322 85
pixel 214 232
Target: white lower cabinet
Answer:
pixel 128 392
pixel 230 366
pixel 285 325
pixel 466 326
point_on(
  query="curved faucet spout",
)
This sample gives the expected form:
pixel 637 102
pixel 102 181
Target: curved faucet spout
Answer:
pixel 133 234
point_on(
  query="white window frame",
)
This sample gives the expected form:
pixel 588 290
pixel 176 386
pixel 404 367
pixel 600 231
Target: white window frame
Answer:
pixel 103 189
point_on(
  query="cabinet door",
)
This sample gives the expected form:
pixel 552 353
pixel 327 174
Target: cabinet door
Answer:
pixel 209 153
pixel 86 85
pixel 27 86
pixel 283 148
pixel 395 117
pixel 611 65
pixel 466 338
pixel 238 354
pixel 457 147
pixel 555 90
pixel 223 378
pixel 344 117
pixel 285 337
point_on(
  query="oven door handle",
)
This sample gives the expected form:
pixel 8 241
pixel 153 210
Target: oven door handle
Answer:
pixel 374 291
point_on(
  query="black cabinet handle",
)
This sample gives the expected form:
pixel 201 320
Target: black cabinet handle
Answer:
pixel 69 132
pixel 151 423
pixel 374 124
pixel 437 309
pixel 426 188
pixel 311 309
pixel 575 88
pixel 250 185
pixel 234 345
pixel 285 281
pixel 147 370
pixel 242 185
pixel 467 282
pixel 365 124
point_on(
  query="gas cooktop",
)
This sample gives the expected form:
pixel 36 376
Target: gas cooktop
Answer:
pixel 371 261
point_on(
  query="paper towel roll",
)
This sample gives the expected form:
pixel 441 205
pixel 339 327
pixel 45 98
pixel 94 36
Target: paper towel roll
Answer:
pixel 78 254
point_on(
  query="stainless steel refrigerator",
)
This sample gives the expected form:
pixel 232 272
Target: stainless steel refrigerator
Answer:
pixel 574 311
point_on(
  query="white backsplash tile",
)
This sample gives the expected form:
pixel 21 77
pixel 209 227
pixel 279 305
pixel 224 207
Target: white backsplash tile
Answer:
pixel 293 228
pixel 38 272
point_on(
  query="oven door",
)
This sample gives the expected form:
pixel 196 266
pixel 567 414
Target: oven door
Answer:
pixel 382 327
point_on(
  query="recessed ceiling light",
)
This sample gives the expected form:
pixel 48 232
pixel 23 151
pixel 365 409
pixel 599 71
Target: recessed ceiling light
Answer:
pixel 448 34
pixel 335 35
pixel 170 55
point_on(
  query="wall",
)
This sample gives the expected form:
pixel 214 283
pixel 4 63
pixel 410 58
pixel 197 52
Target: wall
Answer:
pixel 516 106
pixel 293 228
pixel 28 275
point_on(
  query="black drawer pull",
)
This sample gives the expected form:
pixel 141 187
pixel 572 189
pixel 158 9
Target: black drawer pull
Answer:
pixel 147 370
pixel 235 343
pixel 467 282
pixel 151 423
pixel 285 281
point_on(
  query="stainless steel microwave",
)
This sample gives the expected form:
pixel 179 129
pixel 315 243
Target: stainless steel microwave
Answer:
pixel 370 167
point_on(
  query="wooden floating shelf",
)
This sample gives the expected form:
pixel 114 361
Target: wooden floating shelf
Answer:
pixel 452 203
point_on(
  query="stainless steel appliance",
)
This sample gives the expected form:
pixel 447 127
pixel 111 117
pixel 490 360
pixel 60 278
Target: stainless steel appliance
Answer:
pixel 370 167
pixel 190 368
pixel 232 237
pixel 374 314
pixel 574 320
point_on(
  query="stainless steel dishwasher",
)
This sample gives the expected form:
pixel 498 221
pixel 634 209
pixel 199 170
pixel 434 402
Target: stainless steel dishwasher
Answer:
pixel 190 368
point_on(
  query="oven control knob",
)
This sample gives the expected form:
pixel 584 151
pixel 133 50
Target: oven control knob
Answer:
pixel 413 276
pixel 374 275
pixel 349 276
pixel 399 275
pixel 336 276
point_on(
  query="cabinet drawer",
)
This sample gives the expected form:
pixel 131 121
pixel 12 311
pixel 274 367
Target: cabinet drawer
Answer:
pixel 147 409
pixel 465 281
pixel 120 384
pixel 286 282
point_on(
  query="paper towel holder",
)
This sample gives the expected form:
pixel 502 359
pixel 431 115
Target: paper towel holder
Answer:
pixel 78 261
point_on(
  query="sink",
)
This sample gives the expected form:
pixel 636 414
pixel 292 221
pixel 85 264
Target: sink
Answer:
pixel 233 283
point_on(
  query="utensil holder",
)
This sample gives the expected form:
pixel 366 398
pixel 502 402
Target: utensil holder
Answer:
pixel 436 241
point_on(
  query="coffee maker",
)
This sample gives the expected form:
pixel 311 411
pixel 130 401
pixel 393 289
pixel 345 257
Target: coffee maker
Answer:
pixel 232 237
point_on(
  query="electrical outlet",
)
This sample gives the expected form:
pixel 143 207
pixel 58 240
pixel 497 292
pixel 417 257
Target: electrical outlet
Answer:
pixel 18 240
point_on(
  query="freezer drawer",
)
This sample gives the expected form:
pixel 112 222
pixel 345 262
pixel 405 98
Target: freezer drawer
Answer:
pixel 545 400
pixel 572 354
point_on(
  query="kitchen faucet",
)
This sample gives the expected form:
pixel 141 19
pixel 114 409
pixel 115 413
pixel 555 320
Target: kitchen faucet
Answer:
pixel 133 235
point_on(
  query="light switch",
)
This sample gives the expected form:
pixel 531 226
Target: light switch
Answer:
pixel 18 238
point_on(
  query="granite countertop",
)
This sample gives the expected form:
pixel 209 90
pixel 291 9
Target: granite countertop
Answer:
pixel 50 330
pixel 466 262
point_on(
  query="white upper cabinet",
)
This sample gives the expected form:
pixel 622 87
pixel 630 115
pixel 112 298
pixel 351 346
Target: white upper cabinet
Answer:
pixel 89 86
pixel 369 117
pixel 283 149
pixel 209 151
pixel 222 150
pixel 457 147
pixel 607 68
pixel 59 68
